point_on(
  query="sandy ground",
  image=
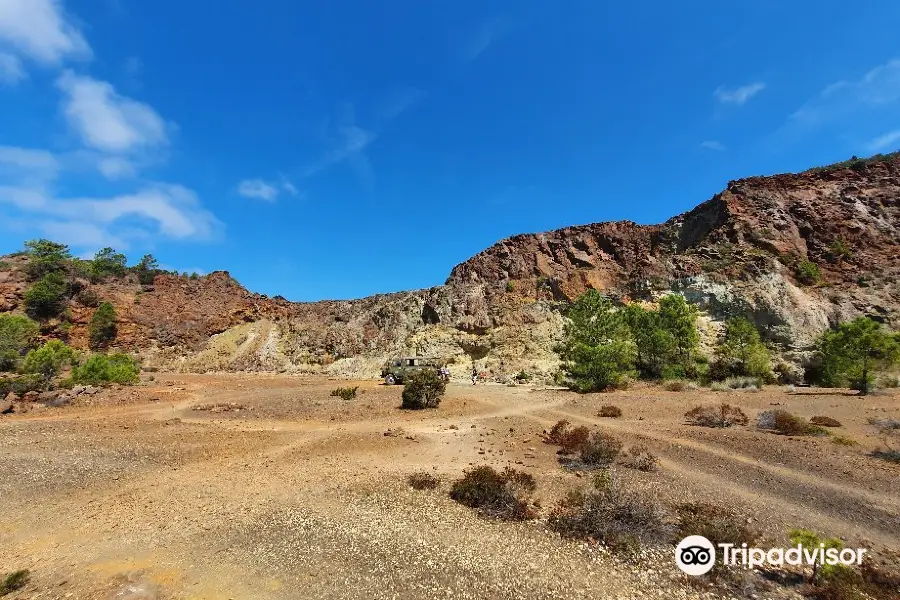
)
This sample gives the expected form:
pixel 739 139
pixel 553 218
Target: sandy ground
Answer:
pixel 137 495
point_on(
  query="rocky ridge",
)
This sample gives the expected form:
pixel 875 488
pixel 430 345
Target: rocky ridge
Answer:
pixel 735 254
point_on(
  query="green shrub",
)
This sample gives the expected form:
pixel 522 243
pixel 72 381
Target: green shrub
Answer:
pixel 47 297
pixel 665 340
pixel 741 353
pixel 345 393
pixel 840 250
pixel 621 521
pixel 809 539
pixel 147 269
pixel 423 389
pixel 103 369
pixel 597 353
pixel 856 352
pixel 522 377
pixel 21 384
pixel 107 263
pixel 49 359
pixel 807 272
pixel 504 494
pixel 600 449
pixel 45 257
pixel 423 481
pixel 103 326
pixel 17 334
pixel 14 581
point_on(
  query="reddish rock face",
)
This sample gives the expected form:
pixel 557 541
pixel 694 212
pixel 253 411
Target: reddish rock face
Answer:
pixel 736 253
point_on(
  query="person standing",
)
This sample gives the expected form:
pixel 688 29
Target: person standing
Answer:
pixel 474 374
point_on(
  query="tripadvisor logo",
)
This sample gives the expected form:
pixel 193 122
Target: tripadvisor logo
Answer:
pixel 696 555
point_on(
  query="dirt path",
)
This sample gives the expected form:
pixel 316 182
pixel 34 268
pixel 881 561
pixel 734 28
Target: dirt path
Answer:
pixel 299 494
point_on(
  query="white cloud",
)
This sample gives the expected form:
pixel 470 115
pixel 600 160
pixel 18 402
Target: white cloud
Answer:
pixel 713 145
pixel 880 87
pixel 738 95
pixel 257 188
pixel 27 160
pixel 114 167
pixel 107 121
pixel 290 188
pixel 885 142
pixel 159 210
pixel 11 71
pixel 41 30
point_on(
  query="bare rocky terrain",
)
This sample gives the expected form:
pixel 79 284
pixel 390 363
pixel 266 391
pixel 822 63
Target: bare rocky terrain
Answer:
pixel 735 254
pixel 265 486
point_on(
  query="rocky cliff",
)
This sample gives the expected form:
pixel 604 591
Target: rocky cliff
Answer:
pixel 738 253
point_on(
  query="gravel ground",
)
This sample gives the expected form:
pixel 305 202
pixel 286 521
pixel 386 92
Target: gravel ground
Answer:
pixel 134 494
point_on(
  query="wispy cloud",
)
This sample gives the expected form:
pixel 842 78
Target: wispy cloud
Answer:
pixel 24 161
pixel 713 145
pixel 41 30
pixel 738 95
pixel 885 142
pixel 11 70
pixel 266 190
pixel 485 34
pixel 107 121
pixel 880 87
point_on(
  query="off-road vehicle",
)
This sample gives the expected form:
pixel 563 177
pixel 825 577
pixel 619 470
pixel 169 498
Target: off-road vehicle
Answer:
pixel 398 369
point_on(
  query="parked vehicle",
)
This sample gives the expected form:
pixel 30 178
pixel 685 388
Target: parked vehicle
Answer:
pixel 398 369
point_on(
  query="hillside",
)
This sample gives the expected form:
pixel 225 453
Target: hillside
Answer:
pixel 738 253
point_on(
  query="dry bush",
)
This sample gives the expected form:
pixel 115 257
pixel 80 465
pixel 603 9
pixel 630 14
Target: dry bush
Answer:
pixel 610 411
pixel 423 481
pixel 14 581
pixel 786 423
pixel 600 449
pixel 716 523
pixel 841 440
pixel 719 386
pixel 723 415
pixel 679 385
pixel 505 495
pixel 621 521
pixel 557 432
pixel 220 407
pixel 748 384
pixel 345 393
pixel 574 440
pixel 640 458
pixel 825 421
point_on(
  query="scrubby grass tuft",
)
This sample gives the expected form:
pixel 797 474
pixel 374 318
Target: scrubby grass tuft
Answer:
pixel 14 581
pixel 610 411
pixel 825 421
pixel 345 393
pixel 423 481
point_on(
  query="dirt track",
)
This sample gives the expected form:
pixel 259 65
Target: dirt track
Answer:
pixel 302 495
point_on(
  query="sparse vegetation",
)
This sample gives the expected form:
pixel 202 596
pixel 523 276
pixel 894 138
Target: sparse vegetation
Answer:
pixel 841 440
pixel 21 384
pixel 610 411
pixel 679 385
pixel 48 360
pixel 840 250
pixel 556 433
pixel 825 421
pixel 103 369
pixel 345 393
pixel 423 481
pixel 741 353
pixel 45 257
pixel 752 384
pixel 786 423
pixel 621 521
pixel 600 449
pixel 423 389
pixel 573 440
pixel 639 457
pixel 807 272
pixel 47 297
pixel 17 335
pixel 107 263
pixel 715 522
pixel 597 353
pixel 103 326
pixel 505 494
pixel 723 415
pixel 889 432
pixel 14 581
pixel 856 352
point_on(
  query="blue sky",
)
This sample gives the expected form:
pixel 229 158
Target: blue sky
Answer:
pixel 343 148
